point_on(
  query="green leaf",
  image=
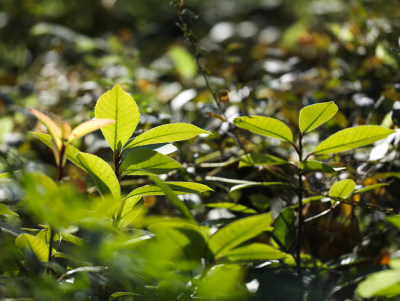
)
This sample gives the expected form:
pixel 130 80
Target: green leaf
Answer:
pixel 70 151
pixel 238 232
pixel 34 244
pixel 370 187
pixel 314 166
pixel 102 174
pixel 176 187
pixel 313 116
pixel 167 133
pixel 342 189
pixel 233 207
pixel 351 138
pixel 284 226
pixel 260 159
pixel 184 62
pixel 5 210
pixel 266 126
pixel 118 295
pixel 263 184
pixel 380 284
pixel 118 105
pixel 254 251
pixel 176 202
pixel 132 208
pixel 146 161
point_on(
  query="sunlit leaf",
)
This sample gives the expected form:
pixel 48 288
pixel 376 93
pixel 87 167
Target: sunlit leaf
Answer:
pixel 380 284
pixel 260 159
pixel 52 127
pixel 254 251
pixel 118 295
pixel 88 127
pixel 102 174
pixel 146 161
pixel 342 189
pixel 132 208
pixel 266 126
pixel 261 184
pixel 5 210
pixel 314 166
pixel 167 133
pixel 233 207
pixel 352 138
pixel 118 105
pixel 313 116
pixel 238 232
pixel 34 244
pixel 184 62
pixel 370 187
pixel 177 188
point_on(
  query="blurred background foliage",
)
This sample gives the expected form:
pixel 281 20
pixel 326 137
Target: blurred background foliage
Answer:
pixel 265 57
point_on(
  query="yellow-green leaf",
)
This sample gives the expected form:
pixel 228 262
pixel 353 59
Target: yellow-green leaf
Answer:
pixel 380 284
pixel 102 174
pixel 314 166
pixel 88 127
pixel 260 159
pixel 254 251
pixel 313 116
pixel 167 133
pixel 5 210
pixel 34 244
pixel 266 126
pixel 147 161
pixel 342 188
pixel 352 138
pixel 118 105
pixel 54 130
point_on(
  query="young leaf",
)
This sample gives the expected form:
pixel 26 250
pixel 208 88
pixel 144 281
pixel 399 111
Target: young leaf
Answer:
pixel 313 116
pixel 88 127
pixel 233 207
pixel 167 133
pixel 264 184
pixel 314 166
pixel 102 174
pixel 238 232
pixel 254 251
pixel 342 188
pixel 146 161
pixel 177 188
pixel 266 126
pixel 352 138
pixel 260 159
pixel 118 105
pixel 54 130
pixel 34 244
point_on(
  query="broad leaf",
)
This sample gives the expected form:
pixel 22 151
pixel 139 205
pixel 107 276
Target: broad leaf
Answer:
pixel 52 127
pixel 70 151
pixel 102 174
pixel 167 133
pixel 313 116
pixel 266 126
pixel 352 138
pixel 260 159
pixel 284 227
pixel 132 208
pixel 314 166
pixel 263 184
pixel 34 244
pixel 118 105
pixel 238 232
pixel 380 284
pixel 233 207
pixel 146 161
pixel 342 188
pixel 88 127
pixel 254 251
pixel 176 187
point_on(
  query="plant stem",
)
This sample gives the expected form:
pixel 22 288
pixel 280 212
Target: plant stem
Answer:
pixel 117 163
pixel 300 212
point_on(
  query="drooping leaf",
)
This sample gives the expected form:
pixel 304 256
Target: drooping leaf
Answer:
pixel 5 210
pixel 238 232
pixel 102 174
pixel 342 189
pixel 260 159
pixel 132 208
pixel 283 227
pixel 118 105
pixel 52 127
pixel 380 284
pixel 167 133
pixel 88 127
pixel 313 116
pixel 314 166
pixel 263 184
pixel 254 251
pixel 70 151
pixel 176 187
pixel 351 138
pixel 176 202
pixel 370 187
pixel 266 126
pixel 233 207
pixel 34 244
pixel 146 161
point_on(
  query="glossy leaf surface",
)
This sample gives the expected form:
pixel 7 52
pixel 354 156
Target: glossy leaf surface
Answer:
pixel 260 159
pixel 313 116
pixel 313 166
pixel 266 126
pixel 342 188
pixel 254 251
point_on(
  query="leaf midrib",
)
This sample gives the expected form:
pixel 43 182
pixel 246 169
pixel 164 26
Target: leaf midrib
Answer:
pixel 315 120
pixel 263 129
